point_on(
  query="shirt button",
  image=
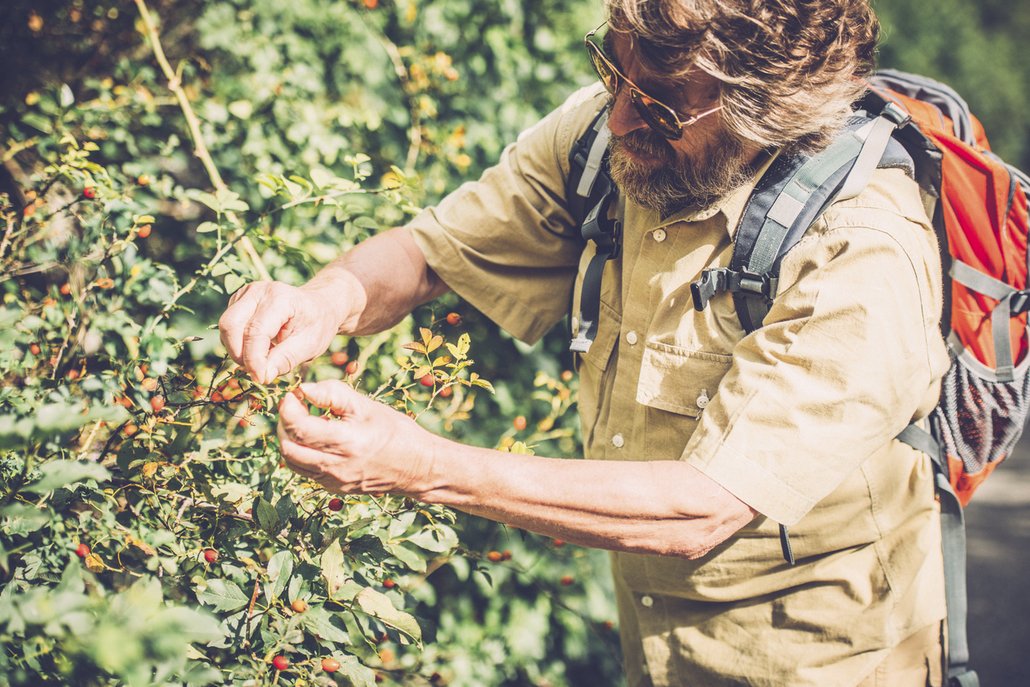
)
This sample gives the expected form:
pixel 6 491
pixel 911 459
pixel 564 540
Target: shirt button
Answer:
pixel 646 601
pixel 658 235
pixel 631 338
pixel 618 441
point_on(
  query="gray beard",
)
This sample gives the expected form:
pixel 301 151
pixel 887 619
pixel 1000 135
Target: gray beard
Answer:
pixel 672 185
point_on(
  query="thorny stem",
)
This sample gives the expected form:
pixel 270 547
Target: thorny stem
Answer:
pixel 200 147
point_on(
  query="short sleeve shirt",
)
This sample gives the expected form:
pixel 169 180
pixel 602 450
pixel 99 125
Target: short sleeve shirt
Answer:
pixel 796 419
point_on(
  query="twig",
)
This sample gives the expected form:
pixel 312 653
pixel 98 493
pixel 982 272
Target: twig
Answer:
pixel 415 131
pixel 250 613
pixel 200 147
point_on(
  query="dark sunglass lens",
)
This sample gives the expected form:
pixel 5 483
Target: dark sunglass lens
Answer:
pixel 658 116
pixel 604 71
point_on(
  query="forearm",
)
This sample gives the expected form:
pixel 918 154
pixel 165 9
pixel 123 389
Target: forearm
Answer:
pixel 656 507
pixel 385 277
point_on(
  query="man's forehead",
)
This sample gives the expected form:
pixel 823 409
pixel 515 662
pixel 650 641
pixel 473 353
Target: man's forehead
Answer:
pixel 620 47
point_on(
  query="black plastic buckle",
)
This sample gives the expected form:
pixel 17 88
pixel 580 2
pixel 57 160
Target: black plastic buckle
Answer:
pixel 712 281
pixel 1019 302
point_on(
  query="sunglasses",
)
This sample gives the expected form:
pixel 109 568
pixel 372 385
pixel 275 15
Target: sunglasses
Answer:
pixel 654 112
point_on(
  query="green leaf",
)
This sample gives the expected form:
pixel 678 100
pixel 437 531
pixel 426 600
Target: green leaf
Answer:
pixel 333 569
pixel 58 473
pixel 206 227
pixel 378 605
pixel 358 674
pixel 280 567
pixel 233 281
pixel 317 621
pixel 266 516
pixel 223 596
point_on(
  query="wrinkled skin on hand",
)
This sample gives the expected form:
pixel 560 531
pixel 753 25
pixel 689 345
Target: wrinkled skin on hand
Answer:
pixel 270 328
pixel 365 447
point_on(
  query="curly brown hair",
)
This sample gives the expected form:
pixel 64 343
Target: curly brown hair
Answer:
pixel 789 69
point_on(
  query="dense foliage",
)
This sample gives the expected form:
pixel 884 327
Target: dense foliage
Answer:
pixel 148 534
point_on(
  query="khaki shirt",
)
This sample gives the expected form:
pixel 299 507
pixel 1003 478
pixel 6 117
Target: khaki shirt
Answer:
pixel 796 419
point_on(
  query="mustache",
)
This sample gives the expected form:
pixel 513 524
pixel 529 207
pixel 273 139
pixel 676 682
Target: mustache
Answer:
pixel 645 143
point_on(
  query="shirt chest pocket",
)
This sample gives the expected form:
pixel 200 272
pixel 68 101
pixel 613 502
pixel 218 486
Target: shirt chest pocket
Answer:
pixel 675 386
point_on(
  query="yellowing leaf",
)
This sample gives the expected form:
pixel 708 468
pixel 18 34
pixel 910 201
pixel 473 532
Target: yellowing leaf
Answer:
pixel 378 605
pixel 414 346
pixel 94 563
pixel 427 335
pixel 434 343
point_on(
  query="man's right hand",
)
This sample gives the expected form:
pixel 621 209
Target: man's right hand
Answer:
pixel 270 327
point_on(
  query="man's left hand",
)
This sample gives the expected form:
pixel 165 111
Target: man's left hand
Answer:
pixel 361 446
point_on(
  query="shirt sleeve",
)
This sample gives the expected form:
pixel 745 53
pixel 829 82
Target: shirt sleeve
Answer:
pixel 849 354
pixel 506 243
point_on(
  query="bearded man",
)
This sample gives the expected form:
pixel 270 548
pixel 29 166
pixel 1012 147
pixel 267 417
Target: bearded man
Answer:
pixel 700 441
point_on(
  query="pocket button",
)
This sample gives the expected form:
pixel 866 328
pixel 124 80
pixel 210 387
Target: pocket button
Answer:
pixel 618 441
pixel 702 399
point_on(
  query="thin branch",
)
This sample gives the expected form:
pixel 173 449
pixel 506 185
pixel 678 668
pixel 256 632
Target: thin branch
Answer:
pixel 200 147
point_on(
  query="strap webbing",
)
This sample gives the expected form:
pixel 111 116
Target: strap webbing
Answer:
pixel 596 156
pixel 953 546
pixel 976 280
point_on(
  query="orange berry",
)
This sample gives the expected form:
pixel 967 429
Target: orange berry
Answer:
pixel 149 384
pixel 446 392
pixel 608 625
pixel 72 375
pixel 157 403
pixel 299 606
pixel 389 583
pixel 330 665
pixel 105 283
pixel 386 655
pixel 566 375
pixel 371 4
pixel 453 319
pixel 66 289
pixel 130 429
pixel 566 580
pixel 558 543
pixel 144 231
pixel 210 555
pixel 28 211
pixel 143 180
pixel 217 397
pixel 352 367
pixel 339 358
pixel 427 380
pixel 244 422
pixel 506 555
pixel 34 349
pixel 519 423
pixel 495 556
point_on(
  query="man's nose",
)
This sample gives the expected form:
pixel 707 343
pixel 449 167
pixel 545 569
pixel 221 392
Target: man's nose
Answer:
pixel 624 117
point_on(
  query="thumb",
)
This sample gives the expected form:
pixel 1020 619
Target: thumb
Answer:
pixel 332 394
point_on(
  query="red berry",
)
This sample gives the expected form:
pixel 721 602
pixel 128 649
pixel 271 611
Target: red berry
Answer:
pixel 217 397
pixel 446 392
pixel 352 367
pixel 335 505
pixel 144 231
pixel 157 403
pixel 566 580
pixel 330 665
pixel 427 380
pixel 81 550
pixel 453 319
pixel 558 542
pixel 495 556
pixel 281 662
pixel 210 555
pixel 339 358
pixel 299 606
pixel 34 349
pixel 506 555
pixel 389 583
pixel 89 192
pixel 519 423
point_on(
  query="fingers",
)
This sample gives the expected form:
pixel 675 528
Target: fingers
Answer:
pixel 234 320
pixel 305 461
pixel 309 431
pixel 288 353
pixel 332 395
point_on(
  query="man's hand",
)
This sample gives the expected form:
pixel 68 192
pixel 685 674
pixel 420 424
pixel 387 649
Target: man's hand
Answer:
pixel 367 447
pixel 270 327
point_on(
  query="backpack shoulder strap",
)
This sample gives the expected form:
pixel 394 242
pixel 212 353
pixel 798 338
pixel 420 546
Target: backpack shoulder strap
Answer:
pixel 590 195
